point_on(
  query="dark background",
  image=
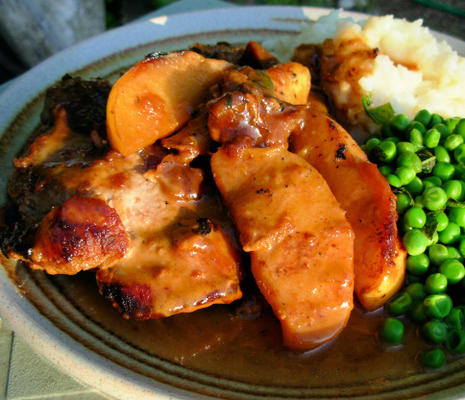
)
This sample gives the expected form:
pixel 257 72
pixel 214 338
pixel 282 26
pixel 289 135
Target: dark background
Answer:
pixel 447 16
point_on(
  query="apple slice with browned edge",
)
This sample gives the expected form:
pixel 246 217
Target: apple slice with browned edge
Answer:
pixel 157 96
pixel 365 195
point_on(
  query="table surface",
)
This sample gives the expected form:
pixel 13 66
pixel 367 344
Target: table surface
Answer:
pixel 25 375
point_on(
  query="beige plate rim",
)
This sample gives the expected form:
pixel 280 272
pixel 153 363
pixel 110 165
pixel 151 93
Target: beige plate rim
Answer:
pixel 106 52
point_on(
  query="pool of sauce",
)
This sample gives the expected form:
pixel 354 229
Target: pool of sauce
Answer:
pixel 245 346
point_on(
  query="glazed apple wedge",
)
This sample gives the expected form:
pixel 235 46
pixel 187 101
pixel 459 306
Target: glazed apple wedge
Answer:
pixel 379 258
pixel 300 242
pixel 157 96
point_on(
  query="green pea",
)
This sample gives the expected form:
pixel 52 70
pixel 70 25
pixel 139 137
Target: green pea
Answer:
pixel 460 128
pixel 393 139
pixel 459 154
pixel 386 170
pixel 452 142
pixel 416 291
pixel 460 173
pixel 400 122
pixel 438 253
pixel 453 189
pixel 418 313
pixel 437 305
pixel 451 234
pixel 443 129
pixel 392 330
pixel 433 358
pixel 416 137
pixel 415 186
pixel 434 198
pixel 394 180
pixel 409 159
pixel 432 138
pixel 455 318
pixel 401 304
pixel 418 265
pixel 415 242
pixel 457 215
pixel 415 217
pixel 455 341
pixel 454 254
pixel 451 123
pixel 436 283
pixel 432 181
pixel 434 331
pixel 405 174
pixel 435 119
pixel 385 151
pixel 423 116
pixel 403 147
pixel 443 220
pixel 441 154
pixel 403 202
pixel 372 143
pixel 443 170
pixel 453 270
pixel 462 246
pixel 462 183
pixel 419 201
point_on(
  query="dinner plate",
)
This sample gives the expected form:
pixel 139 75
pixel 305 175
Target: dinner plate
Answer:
pixel 218 352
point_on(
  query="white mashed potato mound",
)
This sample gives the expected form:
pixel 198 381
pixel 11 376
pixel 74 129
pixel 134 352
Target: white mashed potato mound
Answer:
pixel 412 70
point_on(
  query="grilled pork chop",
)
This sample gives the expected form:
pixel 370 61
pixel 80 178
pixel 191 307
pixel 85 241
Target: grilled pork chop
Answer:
pixel 151 223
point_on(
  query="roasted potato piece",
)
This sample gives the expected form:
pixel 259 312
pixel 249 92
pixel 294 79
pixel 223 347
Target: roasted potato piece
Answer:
pixel 291 82
pixel 368 200
pixel 156 96
pixel 300 241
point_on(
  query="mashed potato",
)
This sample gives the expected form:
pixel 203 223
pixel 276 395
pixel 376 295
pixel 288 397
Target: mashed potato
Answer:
pixel 390 59
pixel 412 70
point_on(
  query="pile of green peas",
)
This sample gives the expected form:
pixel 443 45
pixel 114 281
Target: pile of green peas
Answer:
pixel 424 162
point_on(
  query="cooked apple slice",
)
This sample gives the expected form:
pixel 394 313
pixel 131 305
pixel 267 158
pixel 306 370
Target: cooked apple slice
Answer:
pixel 156 96
pixel 291 82
pixel 379 258
pixel 300 241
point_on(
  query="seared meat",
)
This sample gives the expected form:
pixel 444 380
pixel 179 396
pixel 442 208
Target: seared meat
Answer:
pixel 252 55
pixel 35 185
pixel 84 102
pixel 183 252
pixel 82 234
pixel 150 222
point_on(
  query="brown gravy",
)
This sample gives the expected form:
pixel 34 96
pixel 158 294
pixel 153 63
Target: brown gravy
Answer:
pixel 219 342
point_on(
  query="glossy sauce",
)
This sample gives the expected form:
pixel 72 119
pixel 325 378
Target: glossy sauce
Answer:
pixel 223 341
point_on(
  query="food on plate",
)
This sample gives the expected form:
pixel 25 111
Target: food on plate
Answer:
pixel 422 72
pixel 365 195
pixel 159 219
pixel 184 254
pixel 195 154
pixel 300 242
pixel 157 96
pixel 302 259
pixel 429 179
pixel 294 92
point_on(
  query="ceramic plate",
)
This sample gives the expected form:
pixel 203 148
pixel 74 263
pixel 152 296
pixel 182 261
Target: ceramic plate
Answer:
pixel 214 352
